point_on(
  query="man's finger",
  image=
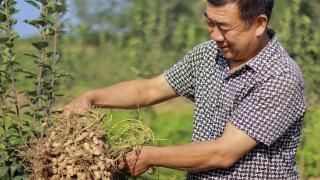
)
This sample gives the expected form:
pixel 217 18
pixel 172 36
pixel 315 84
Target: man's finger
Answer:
pixel 66 113
pixel 121 166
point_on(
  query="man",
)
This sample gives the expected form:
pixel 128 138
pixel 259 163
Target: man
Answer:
pixel 248 96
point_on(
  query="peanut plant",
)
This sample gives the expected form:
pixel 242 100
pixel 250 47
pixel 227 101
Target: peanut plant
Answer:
pixel 16 128
pixel 11 125
pixel 43 96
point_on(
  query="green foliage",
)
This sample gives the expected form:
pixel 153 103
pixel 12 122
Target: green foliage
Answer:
pixel 42 96
pixel 170 127
pixel 126 135
pixel 309 152
pixel 15 127
pixel 11 132
pixel 298 30
pixel 143 32
pixel 10 168
pixel 301 38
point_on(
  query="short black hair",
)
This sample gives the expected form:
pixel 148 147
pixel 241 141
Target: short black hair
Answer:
pixel 249 9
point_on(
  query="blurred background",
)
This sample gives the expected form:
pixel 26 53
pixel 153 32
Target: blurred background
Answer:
pixel 109 41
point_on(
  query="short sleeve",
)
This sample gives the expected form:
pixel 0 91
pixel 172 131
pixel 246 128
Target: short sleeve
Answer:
pixel 181 76
pixel 270 109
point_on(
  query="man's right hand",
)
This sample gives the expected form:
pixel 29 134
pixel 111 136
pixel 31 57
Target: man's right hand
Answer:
pixel 124 95
pixel 78 105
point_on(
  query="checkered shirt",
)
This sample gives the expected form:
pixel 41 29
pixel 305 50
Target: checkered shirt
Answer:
pixel 264 99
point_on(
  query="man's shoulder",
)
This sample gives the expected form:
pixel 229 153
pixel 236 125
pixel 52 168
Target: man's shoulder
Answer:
pixel 206 46
pixel 280 63
pixel 283 63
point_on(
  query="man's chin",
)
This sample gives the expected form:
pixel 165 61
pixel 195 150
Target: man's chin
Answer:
pixel 227 55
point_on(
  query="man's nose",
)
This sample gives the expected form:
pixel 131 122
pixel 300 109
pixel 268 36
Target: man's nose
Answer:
pixel 216 34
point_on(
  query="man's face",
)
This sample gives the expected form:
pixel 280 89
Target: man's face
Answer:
pixel 235 40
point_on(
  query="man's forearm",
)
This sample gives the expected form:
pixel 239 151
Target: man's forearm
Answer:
pixel 122 95
pixel 223 152
pixel 126 95
pixel 199 156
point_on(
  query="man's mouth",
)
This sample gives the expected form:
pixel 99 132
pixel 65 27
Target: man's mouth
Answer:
pixel 223 47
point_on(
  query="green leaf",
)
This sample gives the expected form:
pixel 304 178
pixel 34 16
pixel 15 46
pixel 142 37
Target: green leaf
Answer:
pixel 44 97
pixel 9 44
pixel 44 2
pixel 15 168
pixel 13 21
pixel 49 32
pixel 11 2
pixel 31 93
pixel 14 35
pixel 62 32
pixel 13 126
pixel 34 4
pixel 40 44
pixel 23 177
pixel 4 39
pixel 30 77
pixel 60 95
pixel 36 22
pixel 11 112
pixel 13 10
pixel 3 171
pixel 46 66
pixel 2 26
pixel 60 8
pixel 40 114
pixel 24 106
pixel 28 113
pixel 25 71
pixel 36 62
pixel 32 55
pixel 12 63
pixel 49 54
pixel 3 17
pixel 63 75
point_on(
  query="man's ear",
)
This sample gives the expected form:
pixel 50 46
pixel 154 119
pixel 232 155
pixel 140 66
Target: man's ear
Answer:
pixel 261 24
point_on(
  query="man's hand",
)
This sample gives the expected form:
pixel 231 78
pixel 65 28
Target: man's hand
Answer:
pixel 223 152
pixel 124 95
pixel 77 106
pixel 135 162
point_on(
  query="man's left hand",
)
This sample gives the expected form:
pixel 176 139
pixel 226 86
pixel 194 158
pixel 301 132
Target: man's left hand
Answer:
pixel 135 162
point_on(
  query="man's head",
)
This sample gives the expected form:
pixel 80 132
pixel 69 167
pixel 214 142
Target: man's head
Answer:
pixel 238 26
pixel 249 9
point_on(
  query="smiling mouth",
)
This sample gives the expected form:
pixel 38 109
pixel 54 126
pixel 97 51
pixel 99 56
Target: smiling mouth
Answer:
pixel 223 47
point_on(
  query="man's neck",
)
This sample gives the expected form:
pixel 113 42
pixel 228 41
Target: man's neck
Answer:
pixel 236 65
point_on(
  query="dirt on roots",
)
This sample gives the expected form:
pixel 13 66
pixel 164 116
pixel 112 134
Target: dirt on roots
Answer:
pixel 73 148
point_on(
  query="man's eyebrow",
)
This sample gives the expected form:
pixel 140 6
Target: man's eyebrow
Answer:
pixel 220 23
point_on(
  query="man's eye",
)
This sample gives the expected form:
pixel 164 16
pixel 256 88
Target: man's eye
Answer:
pixel 224 28
pixel 209 23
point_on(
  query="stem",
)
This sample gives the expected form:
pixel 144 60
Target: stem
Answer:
pixel 12 70
pixel 54 62
pixel 42 60
pixel 2 103
pixel 3 113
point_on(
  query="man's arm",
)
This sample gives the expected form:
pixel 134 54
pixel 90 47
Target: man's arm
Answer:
pixel 201 156
pixel 125 95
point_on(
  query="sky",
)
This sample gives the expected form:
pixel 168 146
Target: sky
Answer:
pixel 27 11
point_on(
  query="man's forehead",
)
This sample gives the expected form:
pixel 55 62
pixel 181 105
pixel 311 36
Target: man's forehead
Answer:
pixel 218 21
pixel 222 14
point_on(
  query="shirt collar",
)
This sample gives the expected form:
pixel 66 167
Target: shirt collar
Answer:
pixel 258 62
